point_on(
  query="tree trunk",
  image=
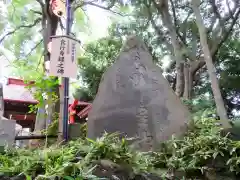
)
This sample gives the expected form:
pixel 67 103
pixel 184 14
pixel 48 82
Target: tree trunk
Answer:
pixel 221 110
pixel 163 10
pixel 188 82
pixel 180 79
pixel 49 25
pixel 61 109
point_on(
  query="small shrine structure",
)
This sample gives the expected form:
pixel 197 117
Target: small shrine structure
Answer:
pixel 17 100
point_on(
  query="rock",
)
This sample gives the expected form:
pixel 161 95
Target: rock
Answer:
pixel 211 174
pixel 19 177
pixel 7 132
pixel 110 170
pixel 107 169
pixel 3 177
pixel 148 177
pixel 136 100
pixel 1 101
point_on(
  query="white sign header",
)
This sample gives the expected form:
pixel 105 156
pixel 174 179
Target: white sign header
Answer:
pixel 63 61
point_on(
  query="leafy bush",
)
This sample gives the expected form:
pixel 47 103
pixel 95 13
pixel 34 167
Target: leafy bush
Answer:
pixel 74 160
pixel 203 149
pixel 203 153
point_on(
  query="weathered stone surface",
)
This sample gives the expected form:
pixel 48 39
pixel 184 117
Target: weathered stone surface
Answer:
pixel 112 171
pixel 7 132
pixel 74 131
pixel 136 100
pixel 1 101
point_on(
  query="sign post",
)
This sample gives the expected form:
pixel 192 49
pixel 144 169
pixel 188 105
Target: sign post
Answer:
pixel 66 79
pixel 63 63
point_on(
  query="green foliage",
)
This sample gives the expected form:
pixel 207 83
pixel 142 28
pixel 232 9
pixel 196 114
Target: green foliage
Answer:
pixel 97 57
pixel 23 36
pixel 53 127
pixel 73 160
pixel 83 130
pixel 203 146
pixel 80 21
pixel 200 104
pixel 21 17
pixel 43 85
pixel 203 150
pixel 229 68
pixel 83 94
pixel 200 151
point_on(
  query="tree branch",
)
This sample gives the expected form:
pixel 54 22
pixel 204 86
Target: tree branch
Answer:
pixel 99 6
pixel 229 9
pixel 222 20
pixel 215 10
pixel 34 47
pixel 63 28
pixel 161 36
pixel 31 50
pixel 231 12
pixel 84 11
pixel 36 12
pixel 184 32
pixel 41 3
pixel 175 22
pixel 226 34
pixel 213 21
pixel 20 27
pixel 217 44
pixel 14 10
pixel 93 3
pixel 9 61
pixel 61 25
pixel 77 5
pixel 39 61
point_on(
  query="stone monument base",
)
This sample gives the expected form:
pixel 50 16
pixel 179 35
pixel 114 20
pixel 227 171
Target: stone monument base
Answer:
pixel 74 131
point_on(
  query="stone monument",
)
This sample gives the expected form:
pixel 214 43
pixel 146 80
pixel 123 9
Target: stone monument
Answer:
pixel 135 100
pixel 1 101
pixel 7 127
pixel 7 132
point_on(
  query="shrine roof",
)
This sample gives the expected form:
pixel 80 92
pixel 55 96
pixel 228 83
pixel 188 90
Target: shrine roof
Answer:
pixel 14 91
pixel 18 93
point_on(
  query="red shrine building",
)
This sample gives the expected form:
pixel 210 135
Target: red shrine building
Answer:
pixel 17 100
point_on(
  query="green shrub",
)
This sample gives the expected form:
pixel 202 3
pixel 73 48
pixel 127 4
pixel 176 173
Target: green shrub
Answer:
pixel 202 150
pixel 75 159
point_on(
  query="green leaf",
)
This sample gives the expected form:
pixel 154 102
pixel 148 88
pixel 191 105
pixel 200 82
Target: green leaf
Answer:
pixel 215 155
pixel 68 178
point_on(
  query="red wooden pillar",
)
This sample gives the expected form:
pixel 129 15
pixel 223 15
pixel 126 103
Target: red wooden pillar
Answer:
pixel 72 112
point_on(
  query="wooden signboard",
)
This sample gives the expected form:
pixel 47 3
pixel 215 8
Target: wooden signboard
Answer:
pixel 63 61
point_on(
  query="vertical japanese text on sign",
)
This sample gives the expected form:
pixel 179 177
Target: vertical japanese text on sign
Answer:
pixel 63 57
pixel 60 65
pixel 73 51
